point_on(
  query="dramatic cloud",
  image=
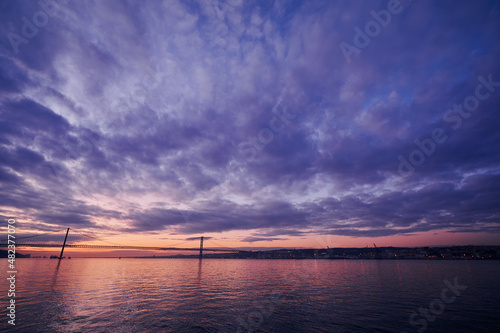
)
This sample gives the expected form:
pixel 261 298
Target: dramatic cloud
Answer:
pixel 192 117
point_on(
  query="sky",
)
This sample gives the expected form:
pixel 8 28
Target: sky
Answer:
pixel 256 123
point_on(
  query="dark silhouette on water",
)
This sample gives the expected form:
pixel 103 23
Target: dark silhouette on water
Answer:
pixel 64 244
pixel 201 247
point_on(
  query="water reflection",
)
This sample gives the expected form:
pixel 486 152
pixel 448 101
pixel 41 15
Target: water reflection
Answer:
pixel 399 271
pixel 200 264
pixel 54 277
pixel 133 295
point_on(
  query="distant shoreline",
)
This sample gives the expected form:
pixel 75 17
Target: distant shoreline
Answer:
pixel 469 252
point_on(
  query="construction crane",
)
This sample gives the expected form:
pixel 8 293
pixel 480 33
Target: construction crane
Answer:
pixel 378 255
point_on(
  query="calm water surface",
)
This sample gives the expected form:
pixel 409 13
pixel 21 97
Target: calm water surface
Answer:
pixel 188 295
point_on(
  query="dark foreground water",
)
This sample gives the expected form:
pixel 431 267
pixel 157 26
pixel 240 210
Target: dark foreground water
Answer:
pixel 187 295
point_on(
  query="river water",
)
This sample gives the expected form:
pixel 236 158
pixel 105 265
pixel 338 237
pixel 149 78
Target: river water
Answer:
pixel 230 295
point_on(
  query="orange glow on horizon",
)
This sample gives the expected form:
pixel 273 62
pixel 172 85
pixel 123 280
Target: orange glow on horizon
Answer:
pixel 234 240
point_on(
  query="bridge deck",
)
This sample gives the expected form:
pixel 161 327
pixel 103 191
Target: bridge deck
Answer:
pixel 83 246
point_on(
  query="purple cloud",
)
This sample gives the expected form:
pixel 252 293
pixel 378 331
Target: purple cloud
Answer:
pixel 138 116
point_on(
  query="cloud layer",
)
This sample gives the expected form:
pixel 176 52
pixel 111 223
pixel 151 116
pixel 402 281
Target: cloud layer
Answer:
pixel 192 117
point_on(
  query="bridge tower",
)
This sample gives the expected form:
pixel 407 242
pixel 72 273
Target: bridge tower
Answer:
pixel 64 244
pixel 201 247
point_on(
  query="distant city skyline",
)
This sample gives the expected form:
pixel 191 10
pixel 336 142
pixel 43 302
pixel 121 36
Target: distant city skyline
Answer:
pixel 283 124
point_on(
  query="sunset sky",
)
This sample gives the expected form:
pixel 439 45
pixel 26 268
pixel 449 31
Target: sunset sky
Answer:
pixel 257 123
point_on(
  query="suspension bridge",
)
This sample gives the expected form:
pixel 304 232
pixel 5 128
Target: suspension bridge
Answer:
pixel 77 240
